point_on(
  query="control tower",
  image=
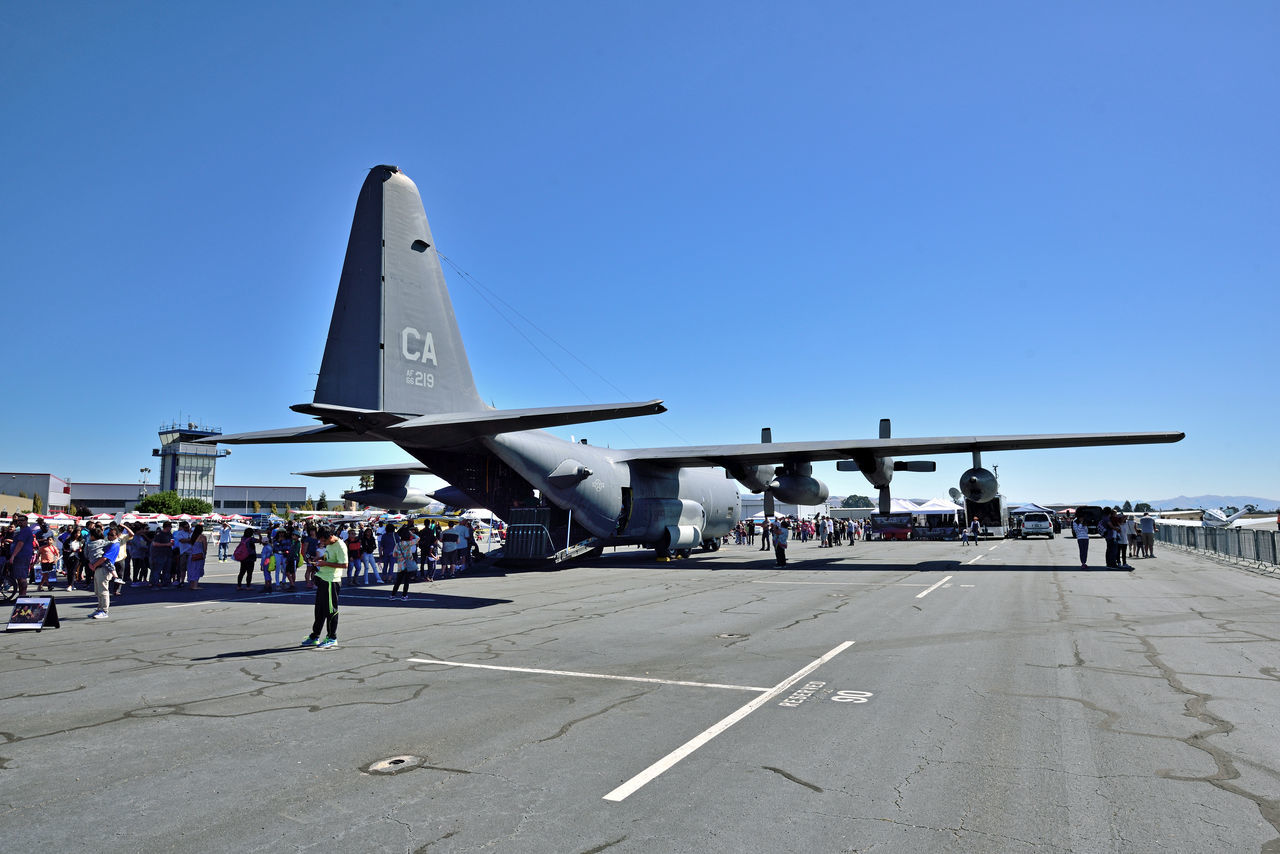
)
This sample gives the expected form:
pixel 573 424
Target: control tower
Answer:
pixel 185 467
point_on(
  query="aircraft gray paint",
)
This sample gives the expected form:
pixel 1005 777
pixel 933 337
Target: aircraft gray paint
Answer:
pixel 395 370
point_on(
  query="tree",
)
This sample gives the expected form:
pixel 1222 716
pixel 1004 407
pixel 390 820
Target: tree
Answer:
pixel 1127 508
pixel 308 504
pixel 195 506
pixel 274 510
pixel 366 481
pixel 22 493
pixel 857 501
pixel 79 510
pixel 257 507
pixel 1142 507
pixel 166 502
pixel 322 504
pixel 37 506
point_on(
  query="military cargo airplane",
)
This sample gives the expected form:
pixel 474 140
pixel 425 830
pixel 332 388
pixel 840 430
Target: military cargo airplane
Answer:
pixel 394 370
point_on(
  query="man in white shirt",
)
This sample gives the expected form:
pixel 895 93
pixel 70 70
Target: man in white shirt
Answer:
pixel 224 540
pixel 181 552
pixel 1147 527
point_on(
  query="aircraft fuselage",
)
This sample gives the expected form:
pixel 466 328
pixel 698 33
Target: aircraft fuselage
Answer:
pixel 622 501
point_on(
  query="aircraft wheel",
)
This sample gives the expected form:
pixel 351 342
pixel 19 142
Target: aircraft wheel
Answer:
pixel 683 553
pixel 712 545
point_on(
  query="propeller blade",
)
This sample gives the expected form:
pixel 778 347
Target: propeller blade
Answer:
pixel 884 429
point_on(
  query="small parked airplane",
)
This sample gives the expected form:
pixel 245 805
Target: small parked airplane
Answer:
pixel 1218 518
pixel 394 370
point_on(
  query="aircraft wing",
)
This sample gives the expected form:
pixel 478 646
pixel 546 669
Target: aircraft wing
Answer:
pixel 283 435
pixel 387 468
pixel 777 452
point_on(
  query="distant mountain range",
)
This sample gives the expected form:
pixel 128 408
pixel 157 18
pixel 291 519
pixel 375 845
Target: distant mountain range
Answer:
pixel 1201 502
pixel 1182 502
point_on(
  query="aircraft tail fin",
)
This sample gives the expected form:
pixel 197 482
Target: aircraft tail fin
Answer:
pixel 394 344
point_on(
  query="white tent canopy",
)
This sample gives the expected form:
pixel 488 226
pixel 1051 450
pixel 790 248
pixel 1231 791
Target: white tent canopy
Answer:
pixel 937 505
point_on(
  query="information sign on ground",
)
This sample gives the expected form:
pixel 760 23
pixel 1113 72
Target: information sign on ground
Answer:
pixel 34 613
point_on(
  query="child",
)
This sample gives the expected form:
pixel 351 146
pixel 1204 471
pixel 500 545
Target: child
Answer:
pixel 430 554
pixel 48 556
pixel 280 549
pixel 267 563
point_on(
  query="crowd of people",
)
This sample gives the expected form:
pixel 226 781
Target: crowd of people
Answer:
pixel 830 532
pixel 112 557
pixel 1120 532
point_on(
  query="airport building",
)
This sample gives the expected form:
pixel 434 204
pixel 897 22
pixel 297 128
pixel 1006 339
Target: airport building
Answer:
pixel 54 492
pixel 186 468
pixel 124 497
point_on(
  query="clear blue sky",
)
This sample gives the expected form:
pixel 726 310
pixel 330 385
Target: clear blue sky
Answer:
pixel 972 218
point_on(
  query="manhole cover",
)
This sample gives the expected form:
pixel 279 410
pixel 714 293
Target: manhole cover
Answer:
pixel 394 764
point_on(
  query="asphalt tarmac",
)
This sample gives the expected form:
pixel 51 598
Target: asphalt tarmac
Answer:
pixel 909 697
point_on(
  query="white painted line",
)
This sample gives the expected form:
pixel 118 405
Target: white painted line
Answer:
pixel 667 762
pixel 993 548
pixel 587 675
pixel 975 560
pixel 924 593
pixel 842 583
pixel 966 585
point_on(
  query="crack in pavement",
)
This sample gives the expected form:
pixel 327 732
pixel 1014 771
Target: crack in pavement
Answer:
pixel 793 778
pixel 569 725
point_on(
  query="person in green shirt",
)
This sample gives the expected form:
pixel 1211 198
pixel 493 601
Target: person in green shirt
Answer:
pixel 332 562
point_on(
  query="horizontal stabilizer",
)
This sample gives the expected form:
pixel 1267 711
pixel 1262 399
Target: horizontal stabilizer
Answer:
pixel 456 427
pixel 287 435
pixel 387 468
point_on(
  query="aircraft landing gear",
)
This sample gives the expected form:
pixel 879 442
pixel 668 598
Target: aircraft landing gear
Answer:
pixel 711 545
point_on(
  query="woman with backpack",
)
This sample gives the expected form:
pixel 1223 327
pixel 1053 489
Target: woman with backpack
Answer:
pixel 246 554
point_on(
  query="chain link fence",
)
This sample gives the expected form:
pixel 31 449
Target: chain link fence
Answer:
pixel 1239 544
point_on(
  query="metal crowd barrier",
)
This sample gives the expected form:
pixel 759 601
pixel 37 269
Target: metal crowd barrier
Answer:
pixel 1244 544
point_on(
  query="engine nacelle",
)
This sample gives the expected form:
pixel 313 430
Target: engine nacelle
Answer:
pixel 979 485
pixel 754 478
pixel 799 489
pixel 404 498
